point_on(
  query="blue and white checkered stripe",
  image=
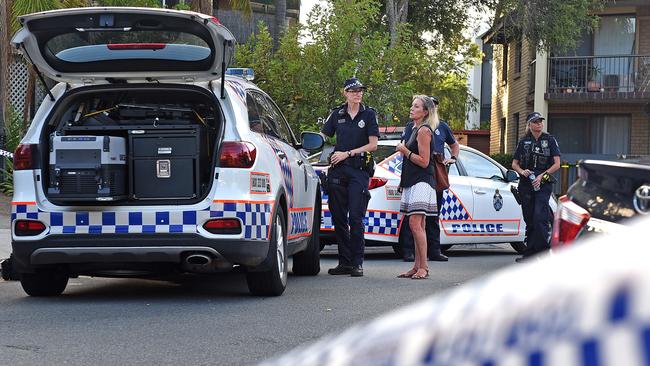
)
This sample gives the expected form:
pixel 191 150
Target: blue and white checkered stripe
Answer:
pixel 451 207
pixel 385 223
pixel 255 217
pixel 284 167
pixel 375 222
pixel 393 164
pixel 6 154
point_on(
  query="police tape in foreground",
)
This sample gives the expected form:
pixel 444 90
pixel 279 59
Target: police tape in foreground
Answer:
pixel 588 305
pixel 6 154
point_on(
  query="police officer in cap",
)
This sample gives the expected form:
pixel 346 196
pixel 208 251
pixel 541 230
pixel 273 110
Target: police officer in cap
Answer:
pixel 537 157
pixel 357 132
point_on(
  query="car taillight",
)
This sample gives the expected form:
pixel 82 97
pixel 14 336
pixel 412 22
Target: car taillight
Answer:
pixel 135 46
pixel 569 220
pixel 376 182
pixel 23 159
pixel 235 154
pixel 223 226
pixel 28 228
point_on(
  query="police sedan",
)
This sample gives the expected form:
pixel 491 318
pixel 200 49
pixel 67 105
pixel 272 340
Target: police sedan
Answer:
pixel 479 207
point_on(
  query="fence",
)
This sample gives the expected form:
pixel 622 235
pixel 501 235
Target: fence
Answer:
pixel 620 73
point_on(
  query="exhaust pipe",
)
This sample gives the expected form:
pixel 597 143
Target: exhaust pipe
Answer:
pixel 198 259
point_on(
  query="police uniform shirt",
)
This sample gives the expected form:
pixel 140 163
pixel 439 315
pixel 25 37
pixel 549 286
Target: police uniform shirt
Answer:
pixel 441 135
pixel 351 133
pixel 536 155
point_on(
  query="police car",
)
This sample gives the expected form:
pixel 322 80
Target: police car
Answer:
pixel 145 158
pixel 479 207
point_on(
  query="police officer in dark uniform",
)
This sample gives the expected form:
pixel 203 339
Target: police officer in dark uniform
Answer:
pixel 357 132
pixel 442 135
pixel 537 157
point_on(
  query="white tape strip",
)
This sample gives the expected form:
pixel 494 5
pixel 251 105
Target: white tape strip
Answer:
pixel 6 153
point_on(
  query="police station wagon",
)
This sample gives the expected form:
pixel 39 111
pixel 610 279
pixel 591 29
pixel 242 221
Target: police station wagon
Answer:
pixel 145 158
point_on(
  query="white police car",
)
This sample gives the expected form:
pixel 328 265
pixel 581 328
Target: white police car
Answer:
pixel 479 207
pixel 145 158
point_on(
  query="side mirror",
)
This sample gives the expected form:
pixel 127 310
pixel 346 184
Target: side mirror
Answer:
pixel 512 176
pixel 312 141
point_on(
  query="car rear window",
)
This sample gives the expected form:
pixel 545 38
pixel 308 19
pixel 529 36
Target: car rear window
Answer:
pixel 91 46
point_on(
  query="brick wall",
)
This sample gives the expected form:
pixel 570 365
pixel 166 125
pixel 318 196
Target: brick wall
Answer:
pixel 510 97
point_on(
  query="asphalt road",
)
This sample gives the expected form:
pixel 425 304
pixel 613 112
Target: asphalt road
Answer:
pixel 213 320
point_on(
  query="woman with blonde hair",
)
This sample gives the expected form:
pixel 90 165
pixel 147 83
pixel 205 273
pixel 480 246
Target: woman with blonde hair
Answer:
pixel 418 181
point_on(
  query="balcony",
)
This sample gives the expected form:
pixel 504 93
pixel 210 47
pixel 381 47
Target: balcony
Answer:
pixel 617 78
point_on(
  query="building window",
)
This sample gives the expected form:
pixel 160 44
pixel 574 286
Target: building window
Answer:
pixel 502 135
pixel 504 66
pixel 518 57
pixel 592 134
pixel 515 118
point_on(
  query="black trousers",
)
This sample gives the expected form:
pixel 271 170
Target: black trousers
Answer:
pixel 348 201
pixel 432 226
pixel 537 215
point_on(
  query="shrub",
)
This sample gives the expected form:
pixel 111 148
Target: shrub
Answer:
pixel 503 159
pixel 14 131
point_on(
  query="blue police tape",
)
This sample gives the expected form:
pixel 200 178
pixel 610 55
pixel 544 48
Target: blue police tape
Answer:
pixel 6 154
pixel 587 305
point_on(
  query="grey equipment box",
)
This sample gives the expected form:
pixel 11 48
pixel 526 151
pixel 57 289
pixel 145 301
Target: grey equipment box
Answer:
pixel 164 164
pixel 87 168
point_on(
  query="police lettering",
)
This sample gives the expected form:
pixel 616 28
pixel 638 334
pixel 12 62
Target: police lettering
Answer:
pixel 299 223
pixel 477 228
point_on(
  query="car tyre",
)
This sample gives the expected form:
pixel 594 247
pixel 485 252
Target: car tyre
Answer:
pixel 307 262
pixel 44 283
pixel 445 248
pixel 519 247
pixel 273 281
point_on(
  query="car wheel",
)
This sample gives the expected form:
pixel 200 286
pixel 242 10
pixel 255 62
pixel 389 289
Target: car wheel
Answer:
pixel 44 283
pixel 307 262
pixel 519 247
pixel 274 281
pixel 397 248
pixel 445 248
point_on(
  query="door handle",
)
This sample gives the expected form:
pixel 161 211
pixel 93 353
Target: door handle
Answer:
pixel 479 191
pixel 282 155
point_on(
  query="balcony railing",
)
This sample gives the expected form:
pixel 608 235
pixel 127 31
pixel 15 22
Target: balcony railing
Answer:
pixel 599 74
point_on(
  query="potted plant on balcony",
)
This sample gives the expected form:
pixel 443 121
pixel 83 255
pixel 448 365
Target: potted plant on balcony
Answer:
pixel 593 85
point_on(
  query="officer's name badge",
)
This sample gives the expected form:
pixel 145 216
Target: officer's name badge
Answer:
pixel 437 132
pixel 361 124
pixel 342 120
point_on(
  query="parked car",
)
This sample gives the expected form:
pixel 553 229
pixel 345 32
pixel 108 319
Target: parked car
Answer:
pixel 585 306
pixel 145 158
pixel 479 207
pixel 606 196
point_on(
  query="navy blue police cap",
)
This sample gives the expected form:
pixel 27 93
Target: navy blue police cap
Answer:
pixel 534 117
pixel 353 83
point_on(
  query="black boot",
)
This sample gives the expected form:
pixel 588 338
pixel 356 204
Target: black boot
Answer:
pixel 340 270
pixel 408 256
pixel 437 256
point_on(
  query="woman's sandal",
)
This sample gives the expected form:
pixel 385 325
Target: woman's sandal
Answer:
pixel 417 276
pixel 408 274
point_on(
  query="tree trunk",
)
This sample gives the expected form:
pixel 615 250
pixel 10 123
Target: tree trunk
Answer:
pixel 5 58
pixel 202 6
pixel 280 22
pixel 396 11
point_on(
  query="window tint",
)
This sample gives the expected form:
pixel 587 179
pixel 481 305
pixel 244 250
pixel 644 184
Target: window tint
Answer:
pixel 478 166
pixel 280 123
pixel 253 114
pixel 383 152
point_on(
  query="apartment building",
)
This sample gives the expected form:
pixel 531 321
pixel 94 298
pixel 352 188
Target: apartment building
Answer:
pixel 596 96
pixel 242 27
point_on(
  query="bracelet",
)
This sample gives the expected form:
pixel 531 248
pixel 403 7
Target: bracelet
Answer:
pixel 409 157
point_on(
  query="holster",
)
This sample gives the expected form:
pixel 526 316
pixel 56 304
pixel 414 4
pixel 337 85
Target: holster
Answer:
pixel 515 194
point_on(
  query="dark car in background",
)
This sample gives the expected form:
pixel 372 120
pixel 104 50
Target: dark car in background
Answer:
pixel 606 196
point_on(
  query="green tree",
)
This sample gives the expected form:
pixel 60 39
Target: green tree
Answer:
pixel 305 78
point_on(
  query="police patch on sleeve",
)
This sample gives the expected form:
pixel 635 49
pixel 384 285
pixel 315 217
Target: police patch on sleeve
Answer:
pixel 362 124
